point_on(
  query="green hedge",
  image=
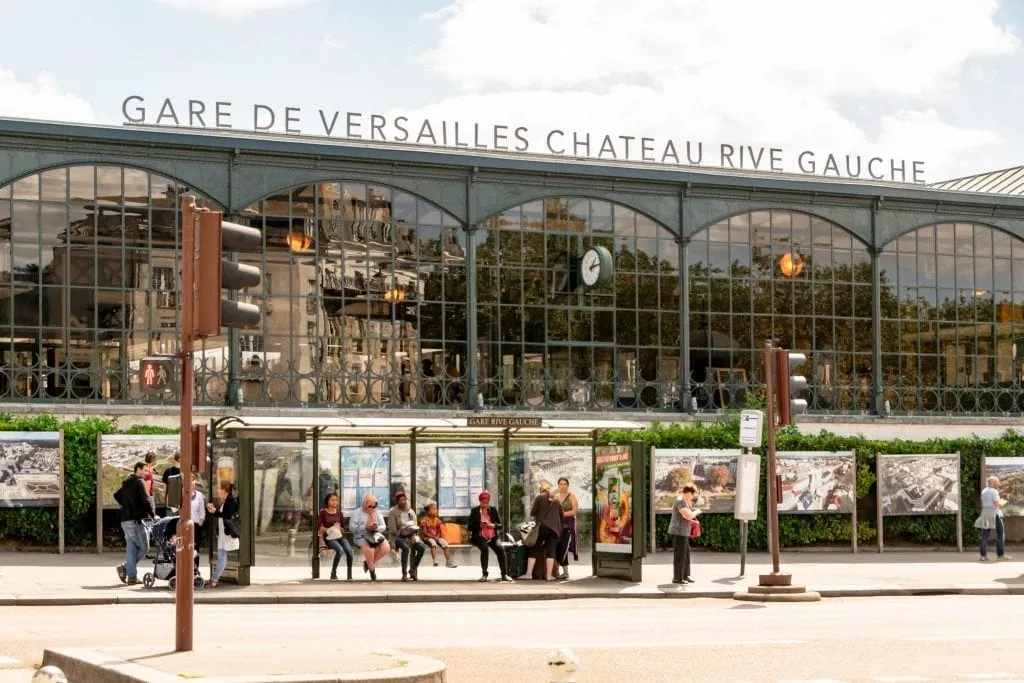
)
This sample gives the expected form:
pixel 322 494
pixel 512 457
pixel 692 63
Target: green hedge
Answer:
pixel 721 532
pixel 38 526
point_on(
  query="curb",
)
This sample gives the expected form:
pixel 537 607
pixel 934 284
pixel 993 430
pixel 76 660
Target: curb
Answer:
pixel 84 664
pixel 671 593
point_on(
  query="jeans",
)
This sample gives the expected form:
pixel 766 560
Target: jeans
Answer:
pixel 222 563
pixel 417 548
pixel 339 546
pixel 483 544
pixel 136 542
pixel 680 558
pixel 1000 539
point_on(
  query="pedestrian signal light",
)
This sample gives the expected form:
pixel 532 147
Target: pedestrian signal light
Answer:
pixel 788 384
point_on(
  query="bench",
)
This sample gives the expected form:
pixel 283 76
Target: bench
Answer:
pixel 456 535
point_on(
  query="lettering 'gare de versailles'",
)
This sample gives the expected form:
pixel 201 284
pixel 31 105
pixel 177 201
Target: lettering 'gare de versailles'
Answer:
pixel 517 138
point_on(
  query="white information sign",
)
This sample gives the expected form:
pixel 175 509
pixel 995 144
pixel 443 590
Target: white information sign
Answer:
pixel 751 424
pixel 748 480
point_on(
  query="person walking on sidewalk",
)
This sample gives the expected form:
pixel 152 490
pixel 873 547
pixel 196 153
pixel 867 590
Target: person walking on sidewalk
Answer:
pixel 136 507
pixel 401 522
pixel 991 518
pixel 484 525
pixel 228 528
pixel 680 528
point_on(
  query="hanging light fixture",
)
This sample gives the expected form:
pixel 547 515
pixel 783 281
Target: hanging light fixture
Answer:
pixel 299 241
pixel 791 265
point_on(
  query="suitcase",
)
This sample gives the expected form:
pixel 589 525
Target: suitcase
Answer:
pixel 515 557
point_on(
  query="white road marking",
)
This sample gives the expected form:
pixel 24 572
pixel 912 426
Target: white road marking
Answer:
pixel 950 639
pixel 900 679
pixel 620 645
pixel 988 676
pixel 9 660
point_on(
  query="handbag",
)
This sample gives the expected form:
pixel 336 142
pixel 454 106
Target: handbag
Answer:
pixel 373 538
pixel 530 539
pixel 334 532
pixel 694 529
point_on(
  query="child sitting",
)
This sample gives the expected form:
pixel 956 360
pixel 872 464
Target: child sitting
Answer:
pixel 432 531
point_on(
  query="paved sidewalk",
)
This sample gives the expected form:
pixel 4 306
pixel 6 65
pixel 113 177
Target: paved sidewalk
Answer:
pixel 31 578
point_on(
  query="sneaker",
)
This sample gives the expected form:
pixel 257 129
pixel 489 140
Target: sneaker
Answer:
pixel 689 580
pixel 507 579
pixel 435 563
pixel 449 565
pixel 122 574
pixel 1004 558
pixel 405 578
pixel 483 579
pixel 132 582
pixel 983 559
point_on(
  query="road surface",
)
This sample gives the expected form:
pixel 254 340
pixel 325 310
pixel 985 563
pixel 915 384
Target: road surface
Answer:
pixel 894 640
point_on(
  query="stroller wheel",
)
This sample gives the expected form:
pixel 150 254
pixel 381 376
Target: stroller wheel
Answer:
pixel 148 580
pixel 198 582
pixel 172 583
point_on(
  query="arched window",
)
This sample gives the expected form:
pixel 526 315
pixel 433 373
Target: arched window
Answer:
pixel 792 277
pixel 88 281
pixel 952 308
pixel 546 339
pixel 364 300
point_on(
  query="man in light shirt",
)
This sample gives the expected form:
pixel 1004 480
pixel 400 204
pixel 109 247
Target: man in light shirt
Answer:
pixel 991 517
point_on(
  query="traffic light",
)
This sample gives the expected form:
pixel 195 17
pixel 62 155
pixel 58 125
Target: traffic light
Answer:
pixel 213 274
pixel 788 384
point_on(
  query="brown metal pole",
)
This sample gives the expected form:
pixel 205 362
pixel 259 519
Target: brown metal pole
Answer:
pixel 185 556
pixel 773 505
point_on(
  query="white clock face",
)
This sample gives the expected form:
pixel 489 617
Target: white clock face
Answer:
pixel 590 267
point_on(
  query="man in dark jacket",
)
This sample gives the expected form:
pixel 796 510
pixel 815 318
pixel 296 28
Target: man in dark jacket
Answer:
pixel 136 506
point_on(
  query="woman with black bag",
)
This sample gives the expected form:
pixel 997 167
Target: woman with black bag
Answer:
pixel 228 528
pixel 547 514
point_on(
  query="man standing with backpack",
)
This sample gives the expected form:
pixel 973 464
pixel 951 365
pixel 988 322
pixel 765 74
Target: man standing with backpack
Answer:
pixel 136 506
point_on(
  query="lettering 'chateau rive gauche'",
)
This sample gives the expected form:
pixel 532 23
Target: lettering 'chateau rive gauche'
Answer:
pixel 513 138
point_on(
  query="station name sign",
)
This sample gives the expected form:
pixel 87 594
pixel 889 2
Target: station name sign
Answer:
pixel 505 422
pixel 371 127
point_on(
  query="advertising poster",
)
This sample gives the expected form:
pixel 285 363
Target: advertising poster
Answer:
pixel 613 509
pixel 118 455
pixel 1010 472
pixel 365 470
pixel 546 464
pixel 460 478
pixel 29 469
pixel 711 472
pixel 816 482
pixel 919 484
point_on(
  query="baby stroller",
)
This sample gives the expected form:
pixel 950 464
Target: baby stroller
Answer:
pixel 164 563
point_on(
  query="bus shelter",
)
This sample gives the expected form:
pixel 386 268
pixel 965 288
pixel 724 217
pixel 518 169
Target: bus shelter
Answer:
pixel 284 467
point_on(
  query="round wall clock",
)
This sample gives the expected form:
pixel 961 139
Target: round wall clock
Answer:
pixel 596 267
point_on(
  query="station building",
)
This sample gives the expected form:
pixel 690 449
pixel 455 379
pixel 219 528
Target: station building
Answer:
pixel 413 281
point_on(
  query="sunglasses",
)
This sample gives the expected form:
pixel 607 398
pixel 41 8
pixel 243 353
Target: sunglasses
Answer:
pixel 373 506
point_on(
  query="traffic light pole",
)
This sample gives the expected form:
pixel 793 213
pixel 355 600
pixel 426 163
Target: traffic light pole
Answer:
pixel 185 547
pixel 775 578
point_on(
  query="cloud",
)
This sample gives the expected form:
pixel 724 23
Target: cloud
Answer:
pixel 232 8
pixel 790 73
pixel 41 99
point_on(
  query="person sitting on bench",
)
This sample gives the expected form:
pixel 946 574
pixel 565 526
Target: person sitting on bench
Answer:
pixel 432 532
pixel 484 525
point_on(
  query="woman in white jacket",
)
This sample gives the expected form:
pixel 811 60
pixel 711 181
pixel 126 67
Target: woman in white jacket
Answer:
pixel 367 526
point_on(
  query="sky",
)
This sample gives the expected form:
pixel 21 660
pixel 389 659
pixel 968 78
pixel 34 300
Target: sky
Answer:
pixel 935 81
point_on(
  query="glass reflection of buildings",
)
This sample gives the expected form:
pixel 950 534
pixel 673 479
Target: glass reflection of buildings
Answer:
pixel 365 302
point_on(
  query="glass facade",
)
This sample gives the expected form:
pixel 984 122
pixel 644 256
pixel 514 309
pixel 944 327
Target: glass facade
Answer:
pixel 952 312
pixel 366 299
pixel 544 344
pixel 87 281
pixel 787 276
